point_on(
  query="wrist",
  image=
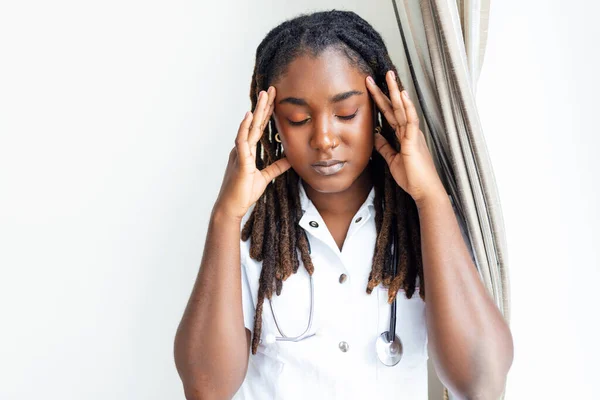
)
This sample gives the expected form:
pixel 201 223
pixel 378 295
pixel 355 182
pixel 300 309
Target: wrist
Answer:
pixel 435 199
pixel 223 215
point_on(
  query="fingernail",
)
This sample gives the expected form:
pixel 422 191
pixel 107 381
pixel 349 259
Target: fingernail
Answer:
pixel 405 93
pixel 247 114
pixel 371 81
pixel 392 75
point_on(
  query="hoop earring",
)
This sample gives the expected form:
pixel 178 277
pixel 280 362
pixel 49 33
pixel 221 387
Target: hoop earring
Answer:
pixel 277 138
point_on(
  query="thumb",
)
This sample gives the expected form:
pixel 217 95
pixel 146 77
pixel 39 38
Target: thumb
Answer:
pixel 383 147
pixel 274 170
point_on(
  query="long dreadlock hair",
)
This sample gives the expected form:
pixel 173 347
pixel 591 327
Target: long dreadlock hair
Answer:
pixel 276 237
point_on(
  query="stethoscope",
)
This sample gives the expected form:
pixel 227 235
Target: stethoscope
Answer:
pixel 388 345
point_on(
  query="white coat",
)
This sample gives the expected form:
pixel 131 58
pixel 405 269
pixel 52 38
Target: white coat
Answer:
pixel 345 318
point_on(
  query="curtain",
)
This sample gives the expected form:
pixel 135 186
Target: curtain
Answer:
pixel 444 43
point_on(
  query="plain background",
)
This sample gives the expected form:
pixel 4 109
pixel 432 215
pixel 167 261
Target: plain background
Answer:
pixel 116 119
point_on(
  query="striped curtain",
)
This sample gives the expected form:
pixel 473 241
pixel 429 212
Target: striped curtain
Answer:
pixel 444 43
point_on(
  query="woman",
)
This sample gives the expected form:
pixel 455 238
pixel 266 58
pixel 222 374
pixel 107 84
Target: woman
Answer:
pixel 329 176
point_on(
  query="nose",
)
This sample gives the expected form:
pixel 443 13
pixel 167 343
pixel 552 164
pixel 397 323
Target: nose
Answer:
pixel 324 137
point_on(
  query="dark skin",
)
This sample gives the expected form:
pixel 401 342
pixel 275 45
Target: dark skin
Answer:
pixel 212 345
pixel 328 96
pixel 469 342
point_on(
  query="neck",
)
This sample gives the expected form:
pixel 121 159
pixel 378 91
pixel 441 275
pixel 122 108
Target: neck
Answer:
pixel 345 202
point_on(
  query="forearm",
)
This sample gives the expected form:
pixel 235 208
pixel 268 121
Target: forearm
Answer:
pixel 211 349
pixel 470 342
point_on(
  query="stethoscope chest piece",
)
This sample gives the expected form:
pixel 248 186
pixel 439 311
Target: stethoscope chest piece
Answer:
pixel 389 352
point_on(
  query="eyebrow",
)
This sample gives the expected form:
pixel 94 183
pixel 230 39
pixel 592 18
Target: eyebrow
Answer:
pixel 334 99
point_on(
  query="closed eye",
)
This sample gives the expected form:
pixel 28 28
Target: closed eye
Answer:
pixel 348 117
pixel 342 117
pixel 298 123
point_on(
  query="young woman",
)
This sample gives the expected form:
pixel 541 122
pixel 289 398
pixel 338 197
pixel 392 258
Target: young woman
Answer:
pixel 330 220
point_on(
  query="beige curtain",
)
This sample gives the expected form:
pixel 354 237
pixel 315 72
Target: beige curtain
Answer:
pixel 444 43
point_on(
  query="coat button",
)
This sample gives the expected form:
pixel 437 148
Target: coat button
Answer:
pixel 343 278
pixel 314 224
pixel 344 346
pixel 357 220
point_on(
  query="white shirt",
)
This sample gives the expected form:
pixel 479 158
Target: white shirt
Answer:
pixel 316 367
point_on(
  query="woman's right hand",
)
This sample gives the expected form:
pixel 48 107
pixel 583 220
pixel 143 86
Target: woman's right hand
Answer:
pixel 243 183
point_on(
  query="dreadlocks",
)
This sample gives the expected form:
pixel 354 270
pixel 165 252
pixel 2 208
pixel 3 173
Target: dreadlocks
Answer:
pixel 276 237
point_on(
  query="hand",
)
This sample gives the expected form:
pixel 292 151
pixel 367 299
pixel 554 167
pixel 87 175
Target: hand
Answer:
pixel 413 168
pixel 243 184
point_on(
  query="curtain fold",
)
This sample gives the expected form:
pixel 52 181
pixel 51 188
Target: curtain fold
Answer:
pixel 444 43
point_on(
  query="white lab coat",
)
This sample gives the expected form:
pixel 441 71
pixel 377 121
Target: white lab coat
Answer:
pixel 316 367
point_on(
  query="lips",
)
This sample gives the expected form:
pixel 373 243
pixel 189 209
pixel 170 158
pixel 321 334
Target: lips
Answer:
pixel 326 163
pixel 328 167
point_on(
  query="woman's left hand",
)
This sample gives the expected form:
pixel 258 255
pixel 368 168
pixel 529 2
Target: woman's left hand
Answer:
pixel 413 167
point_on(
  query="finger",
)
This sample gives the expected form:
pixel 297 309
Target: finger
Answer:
pixel 412 126
pixel 270 107
pixel 272 92
pixel 274 170
pixel 256 128
pixel 383 147
pixel 256 134
pixel 241 140
pixel 397 103
pixel 383 102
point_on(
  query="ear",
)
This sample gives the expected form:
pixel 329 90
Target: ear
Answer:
pixel 274 123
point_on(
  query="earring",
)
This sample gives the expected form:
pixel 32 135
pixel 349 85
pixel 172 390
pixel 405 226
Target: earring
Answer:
pixel 277 138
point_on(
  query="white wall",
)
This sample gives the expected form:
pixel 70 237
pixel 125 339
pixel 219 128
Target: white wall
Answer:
pixel 538 104
pixel 116 118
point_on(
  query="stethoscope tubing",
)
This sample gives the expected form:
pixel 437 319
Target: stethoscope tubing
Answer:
pixel 392 331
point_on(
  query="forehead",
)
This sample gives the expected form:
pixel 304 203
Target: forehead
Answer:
pixel 329 73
